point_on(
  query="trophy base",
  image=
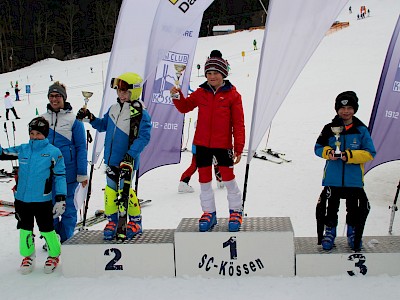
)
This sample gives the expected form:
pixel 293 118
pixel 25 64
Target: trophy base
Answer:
pixel 176 96
pixel 339 155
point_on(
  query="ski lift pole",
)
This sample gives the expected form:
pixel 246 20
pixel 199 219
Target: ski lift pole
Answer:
pixel 394 209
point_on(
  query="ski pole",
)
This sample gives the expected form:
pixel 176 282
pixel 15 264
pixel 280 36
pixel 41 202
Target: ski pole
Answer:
pixel 89 138
pixel 8 141
pixel 187 140
pixel 394 209
pixel 6 131
pixel 89 193
pixel 13 126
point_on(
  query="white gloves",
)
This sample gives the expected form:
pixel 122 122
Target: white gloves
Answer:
pixel 59 206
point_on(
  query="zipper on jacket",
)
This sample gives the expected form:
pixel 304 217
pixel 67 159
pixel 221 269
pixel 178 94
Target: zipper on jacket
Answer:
pixel 115 129
pixel 54 128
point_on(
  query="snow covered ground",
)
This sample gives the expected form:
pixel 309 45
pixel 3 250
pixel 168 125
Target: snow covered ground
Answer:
pixel 350 59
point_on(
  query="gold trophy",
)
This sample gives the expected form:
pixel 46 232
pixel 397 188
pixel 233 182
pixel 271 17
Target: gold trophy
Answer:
pixel 179 68
pixel 337 130
pixel 86 96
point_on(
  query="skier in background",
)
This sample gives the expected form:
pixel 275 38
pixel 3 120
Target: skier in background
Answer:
pixel 184 186
pixel 254 44
pixel 9 106
pixel 67 134
pixel 344 172
pixel 127 125
pixel 40 163
pixel 17 90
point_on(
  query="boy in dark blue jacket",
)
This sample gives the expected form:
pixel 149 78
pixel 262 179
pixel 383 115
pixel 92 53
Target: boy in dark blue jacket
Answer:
pixel 346 152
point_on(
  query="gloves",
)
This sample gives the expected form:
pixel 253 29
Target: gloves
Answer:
pixel 59 206
pixel 127 164
pixel 83 113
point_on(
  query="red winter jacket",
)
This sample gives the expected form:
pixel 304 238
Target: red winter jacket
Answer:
pixel 220 116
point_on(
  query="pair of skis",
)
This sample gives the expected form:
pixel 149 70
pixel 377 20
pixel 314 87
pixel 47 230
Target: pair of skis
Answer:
pixel 271 156
pixel 5 213
pixel 278 155
pixel 99 216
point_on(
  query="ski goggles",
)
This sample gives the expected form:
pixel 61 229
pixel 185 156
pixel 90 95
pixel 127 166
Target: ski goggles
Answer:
pixel 37 123
pixel 122 85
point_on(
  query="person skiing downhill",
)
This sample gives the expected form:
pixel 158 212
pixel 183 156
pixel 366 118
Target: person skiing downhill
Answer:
pixel 127 125
pixel 219 107
pixel 67 134
pixel 40 164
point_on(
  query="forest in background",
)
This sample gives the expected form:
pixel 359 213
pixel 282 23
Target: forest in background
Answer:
pixel 33 30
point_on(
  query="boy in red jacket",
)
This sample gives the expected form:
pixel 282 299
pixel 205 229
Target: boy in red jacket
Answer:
pixel 220 132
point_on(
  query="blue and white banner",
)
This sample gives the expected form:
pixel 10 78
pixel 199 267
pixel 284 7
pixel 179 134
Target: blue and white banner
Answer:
pixel 293 31
pixel 384 123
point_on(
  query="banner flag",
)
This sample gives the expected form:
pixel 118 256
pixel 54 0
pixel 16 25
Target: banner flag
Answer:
pixel 128 54
pixel 169 62
pixel 155 52
pixel 293 31
pixel 384 124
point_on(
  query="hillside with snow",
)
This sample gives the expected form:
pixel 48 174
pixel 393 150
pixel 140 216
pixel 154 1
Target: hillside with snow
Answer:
pixel 349 59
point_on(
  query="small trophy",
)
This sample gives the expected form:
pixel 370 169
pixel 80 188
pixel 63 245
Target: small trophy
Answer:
pixel 179 68
pixel 337 130
pixel 86 96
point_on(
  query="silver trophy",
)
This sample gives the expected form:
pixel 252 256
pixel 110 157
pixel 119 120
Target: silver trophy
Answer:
pixel 179 68
pixel 337 130
pixel 86 96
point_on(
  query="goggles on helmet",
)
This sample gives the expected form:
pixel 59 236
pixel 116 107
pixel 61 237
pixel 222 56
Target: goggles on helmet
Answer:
pixel 122 85
pixel 36 123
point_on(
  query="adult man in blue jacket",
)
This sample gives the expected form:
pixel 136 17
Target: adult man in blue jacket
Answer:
pixel 344 171
pixel 67 134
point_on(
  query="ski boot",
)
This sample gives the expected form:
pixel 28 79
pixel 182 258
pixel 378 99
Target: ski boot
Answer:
pixel 111 228
pixel 235 220
pixel 134 226
pixel 27 264
pixel 351 233
pixel 51 264
pixel 329 238
pixel 207 221
pixel 185 188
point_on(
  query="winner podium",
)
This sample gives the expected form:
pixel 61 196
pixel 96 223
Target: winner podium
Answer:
pixel 264 246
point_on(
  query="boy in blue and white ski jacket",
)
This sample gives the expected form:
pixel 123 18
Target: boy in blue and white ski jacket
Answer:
pixel 127 125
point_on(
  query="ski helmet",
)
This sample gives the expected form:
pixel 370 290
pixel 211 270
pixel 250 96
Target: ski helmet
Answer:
pixel 129 81
pixel 39 124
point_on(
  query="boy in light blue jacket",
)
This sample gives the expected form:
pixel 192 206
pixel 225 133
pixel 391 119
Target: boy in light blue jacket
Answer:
pixel 40 163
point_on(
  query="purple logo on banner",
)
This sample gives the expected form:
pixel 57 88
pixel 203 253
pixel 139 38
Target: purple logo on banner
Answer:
pixel 168 74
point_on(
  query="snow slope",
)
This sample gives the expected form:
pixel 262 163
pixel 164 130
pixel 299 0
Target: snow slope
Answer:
pixel 350 59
